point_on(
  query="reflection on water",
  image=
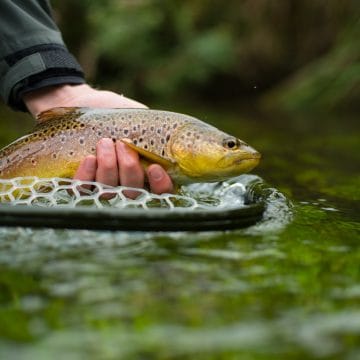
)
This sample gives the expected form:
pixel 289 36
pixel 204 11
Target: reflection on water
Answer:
pixel 279 289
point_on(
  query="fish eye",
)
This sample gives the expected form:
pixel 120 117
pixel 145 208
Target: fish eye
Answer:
pixel 231 143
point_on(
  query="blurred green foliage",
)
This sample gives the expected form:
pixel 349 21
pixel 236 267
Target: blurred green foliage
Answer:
pixel 295 54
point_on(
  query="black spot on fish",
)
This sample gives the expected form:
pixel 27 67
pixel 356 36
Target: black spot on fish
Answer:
pixel 151 142
pixel 140 139
pixel 81 141
pixel 167 137
pixel 162 140
pixel 145 146
pixel 126 131
pixel 152 128
pixel 158 131
pixel 99 133
pixel 134 128
pixel 143 132
pixel 82 125
pixel 163 153
pixel 54 156
pixel 135 141
pixel 71 153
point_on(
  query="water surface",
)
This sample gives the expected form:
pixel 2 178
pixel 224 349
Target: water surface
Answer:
pixel 267 292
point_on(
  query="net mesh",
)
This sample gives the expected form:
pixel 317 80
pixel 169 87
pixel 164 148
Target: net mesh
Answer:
pixel 59 192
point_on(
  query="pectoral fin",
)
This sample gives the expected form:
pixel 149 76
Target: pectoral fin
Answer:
pixel 149 156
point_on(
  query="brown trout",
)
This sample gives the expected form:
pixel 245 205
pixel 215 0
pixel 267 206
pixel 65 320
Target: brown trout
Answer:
pixel 189 149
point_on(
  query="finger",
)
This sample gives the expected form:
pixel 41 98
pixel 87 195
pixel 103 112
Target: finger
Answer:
pixel 107 170
pixel 86 171
pixel 159 180
pixel 131 172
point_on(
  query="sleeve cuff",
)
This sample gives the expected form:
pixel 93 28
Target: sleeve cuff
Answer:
pixel 35 68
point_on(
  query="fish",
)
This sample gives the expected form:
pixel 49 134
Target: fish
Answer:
pixel 189 149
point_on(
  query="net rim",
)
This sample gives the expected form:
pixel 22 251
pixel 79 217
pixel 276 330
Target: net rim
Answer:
pixel 132 219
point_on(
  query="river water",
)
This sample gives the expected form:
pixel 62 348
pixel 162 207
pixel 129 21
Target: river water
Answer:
pixel 279 290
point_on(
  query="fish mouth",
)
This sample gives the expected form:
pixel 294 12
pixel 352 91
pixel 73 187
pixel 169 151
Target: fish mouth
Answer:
pixel 242 163
pixel 256 156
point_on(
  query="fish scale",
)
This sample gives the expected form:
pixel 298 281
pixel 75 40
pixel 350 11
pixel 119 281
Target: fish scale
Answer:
pixel 188 148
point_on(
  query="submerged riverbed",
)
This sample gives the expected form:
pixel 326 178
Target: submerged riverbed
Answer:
pixel 267 292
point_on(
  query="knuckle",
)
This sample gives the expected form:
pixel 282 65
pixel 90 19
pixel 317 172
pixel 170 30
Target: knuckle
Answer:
pixel 107 163
pixel 131 165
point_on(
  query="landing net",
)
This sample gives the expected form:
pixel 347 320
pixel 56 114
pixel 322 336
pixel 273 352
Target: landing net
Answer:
pixel 59 192
pixel 67 203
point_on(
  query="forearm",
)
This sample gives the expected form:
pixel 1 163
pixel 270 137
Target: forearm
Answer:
pixel 32 52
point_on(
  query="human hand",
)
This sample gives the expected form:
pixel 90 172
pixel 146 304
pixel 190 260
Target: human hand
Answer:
pixel 75 95
pixel 117 164
pixel 114 164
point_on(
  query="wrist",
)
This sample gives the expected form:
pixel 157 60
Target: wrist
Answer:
pixel 49 97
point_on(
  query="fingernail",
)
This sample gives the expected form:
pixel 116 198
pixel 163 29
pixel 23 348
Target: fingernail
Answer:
pixel 106 143
pixel 125 152
pixel 156 173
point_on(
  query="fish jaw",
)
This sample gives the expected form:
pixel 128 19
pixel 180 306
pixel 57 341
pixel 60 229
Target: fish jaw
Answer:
pixel 241 161
pixel 202 168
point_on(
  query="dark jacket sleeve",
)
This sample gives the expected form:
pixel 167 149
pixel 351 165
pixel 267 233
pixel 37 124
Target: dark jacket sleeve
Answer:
pixel 32 52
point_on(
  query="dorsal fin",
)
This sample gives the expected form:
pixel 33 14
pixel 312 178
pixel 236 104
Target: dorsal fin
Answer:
pixel 59 113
